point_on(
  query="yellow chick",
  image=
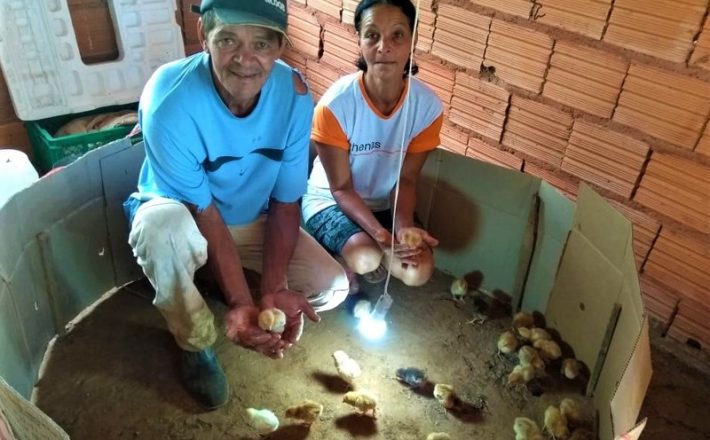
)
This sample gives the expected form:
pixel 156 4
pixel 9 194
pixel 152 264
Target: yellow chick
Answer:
pixel 264 420
pixel 412 238
pixel 348 368
pixel 521 374
pixel 570 368
pixel 445 394
pixel 438 436
pixel 361 401
pixel 549 350
pixel 556 423
pixel 572 411
pixel 523 319
pixel 459 288
pixel 307 412
pixel 527 354
pixel 523 333
pixel 507 343
pixel 526 429
pixel 538 333
pixel 273 320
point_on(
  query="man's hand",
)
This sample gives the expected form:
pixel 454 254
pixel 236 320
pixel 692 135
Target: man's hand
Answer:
pixel 294 305
pixel 242 328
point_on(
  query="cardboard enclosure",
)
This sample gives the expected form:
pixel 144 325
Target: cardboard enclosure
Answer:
pixel 65 245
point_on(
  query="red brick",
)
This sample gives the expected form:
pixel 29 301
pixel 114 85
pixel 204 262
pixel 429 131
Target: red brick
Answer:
pixel 645 230
pixel 7 112
pixel 666 105
pixel 704 144
pixel 585 78
pixel 701 53
pixel 691 323
pixel 662 28
pixel 562 182
pixel 14 135
pixel 481 150
pixel 537 130
pixel 294 59
pixel 425 28
pixel 520 55
pixel 478 106
pixel 678 188
pixel 453 139
pixel 439 77
pixel 659 301
pixel 604 157
pixel 320 77
pixel 348 14
pixel 340 48
pixel 460 36
pixel 586 17
pixel 520 8
pixel 304 31
pixel 330 7
pixel 681 262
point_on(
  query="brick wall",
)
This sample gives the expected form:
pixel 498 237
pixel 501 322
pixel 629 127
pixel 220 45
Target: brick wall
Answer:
pixel 613 93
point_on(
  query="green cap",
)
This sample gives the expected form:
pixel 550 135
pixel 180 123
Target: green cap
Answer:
pixel 271 14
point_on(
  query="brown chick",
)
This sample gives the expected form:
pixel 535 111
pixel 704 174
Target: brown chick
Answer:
pixel 549 350
pixel 445 394
pixel 362 401
pixel 507 343
pixel 556 423
pixel 307 412
pixel 572 411
pixel 523 319
pixel 523 333
pixel 538 333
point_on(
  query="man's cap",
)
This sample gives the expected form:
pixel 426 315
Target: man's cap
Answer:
pixel 271 14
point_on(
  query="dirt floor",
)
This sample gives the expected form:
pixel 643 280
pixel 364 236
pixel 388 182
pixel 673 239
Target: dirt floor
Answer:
pixel 114 376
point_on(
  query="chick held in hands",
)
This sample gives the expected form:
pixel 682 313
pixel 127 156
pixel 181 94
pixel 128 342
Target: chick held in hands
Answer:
pixel 263 420
pixel 412 238
pixel 362 401
pixel 348 368
pixel 307 412
pixel 273 320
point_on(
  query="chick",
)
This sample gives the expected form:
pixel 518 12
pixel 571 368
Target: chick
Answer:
pixel 348 368
pixel 556 423
pixel 307 412
pixel 273 320
pixel 459 288
pixel 538 333
pixel 411 376
pixel 446 395
pixel 507 343
pixel 570 368
pixel 438 436
pixel 264 420
pixel 412 238
pixel 523 319
pixel 361 401
pixel 549 350
pixel 572 411
pixel 523 333
pixel 526 429
pixel 521 374
pixel 527 354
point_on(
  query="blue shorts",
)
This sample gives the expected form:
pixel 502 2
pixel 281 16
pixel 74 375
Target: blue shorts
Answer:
pixel 332 228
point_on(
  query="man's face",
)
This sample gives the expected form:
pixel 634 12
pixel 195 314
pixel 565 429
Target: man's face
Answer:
pixel 242 59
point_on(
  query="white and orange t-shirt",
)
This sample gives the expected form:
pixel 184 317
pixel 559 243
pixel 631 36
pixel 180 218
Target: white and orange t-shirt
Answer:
pixel 346 118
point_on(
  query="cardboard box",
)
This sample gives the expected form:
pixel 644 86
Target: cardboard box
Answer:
pixel 62 250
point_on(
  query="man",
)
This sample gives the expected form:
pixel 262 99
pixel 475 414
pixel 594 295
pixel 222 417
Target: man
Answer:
pixel 226 136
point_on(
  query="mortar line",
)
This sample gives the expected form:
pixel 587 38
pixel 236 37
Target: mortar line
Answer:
pixel 703 22
pixel 608 18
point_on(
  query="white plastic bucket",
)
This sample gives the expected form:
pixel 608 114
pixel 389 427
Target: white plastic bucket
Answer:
pixel 16 173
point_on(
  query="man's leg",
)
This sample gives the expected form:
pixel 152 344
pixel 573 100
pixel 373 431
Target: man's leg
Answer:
pixel 312 271
pixel 169 247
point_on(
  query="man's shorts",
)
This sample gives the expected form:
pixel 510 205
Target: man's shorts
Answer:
pixel 332 228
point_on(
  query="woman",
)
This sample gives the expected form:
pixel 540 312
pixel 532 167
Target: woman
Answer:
pixel 357 129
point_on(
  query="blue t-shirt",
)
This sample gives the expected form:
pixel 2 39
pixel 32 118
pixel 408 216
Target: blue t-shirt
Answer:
pixel 198 152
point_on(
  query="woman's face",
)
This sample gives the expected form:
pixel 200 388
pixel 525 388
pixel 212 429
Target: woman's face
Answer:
pixel 385 40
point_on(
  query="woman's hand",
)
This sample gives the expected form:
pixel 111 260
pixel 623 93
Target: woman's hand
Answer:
pixel 411 241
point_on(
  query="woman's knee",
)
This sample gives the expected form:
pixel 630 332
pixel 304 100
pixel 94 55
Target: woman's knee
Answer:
pixel 419 275
pixel 361 255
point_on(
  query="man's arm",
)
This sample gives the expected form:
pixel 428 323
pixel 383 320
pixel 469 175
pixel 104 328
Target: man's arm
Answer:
pixel 223 257
pixel 280 238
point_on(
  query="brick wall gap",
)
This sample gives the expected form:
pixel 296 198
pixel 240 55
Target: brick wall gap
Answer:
pixel 549 64
pixel 669 324
pixel 637 183
pixel 485 49
pixel 642 266
pixel 696 37
pixel 702 131
pixel 608 19
pixel 621 90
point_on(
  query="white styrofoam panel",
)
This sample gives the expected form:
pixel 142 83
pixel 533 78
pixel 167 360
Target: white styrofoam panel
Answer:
pixel 42 64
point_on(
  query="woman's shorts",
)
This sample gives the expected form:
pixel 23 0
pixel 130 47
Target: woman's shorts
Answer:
pixel 332 228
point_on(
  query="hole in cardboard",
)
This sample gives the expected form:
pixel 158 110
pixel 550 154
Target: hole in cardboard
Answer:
pixel 93 27
pixel 581 306
pixel 692 343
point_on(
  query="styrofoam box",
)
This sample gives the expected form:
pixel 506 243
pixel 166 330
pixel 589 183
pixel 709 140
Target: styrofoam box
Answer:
pixel 42 64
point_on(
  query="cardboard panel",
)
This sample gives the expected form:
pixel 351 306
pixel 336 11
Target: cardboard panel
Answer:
pixel 119 170
pixel 492 207
pixel 26 420
pixel 554 223
pixel 15 363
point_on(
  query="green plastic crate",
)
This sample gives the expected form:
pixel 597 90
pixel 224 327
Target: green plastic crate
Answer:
pixel 50 151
